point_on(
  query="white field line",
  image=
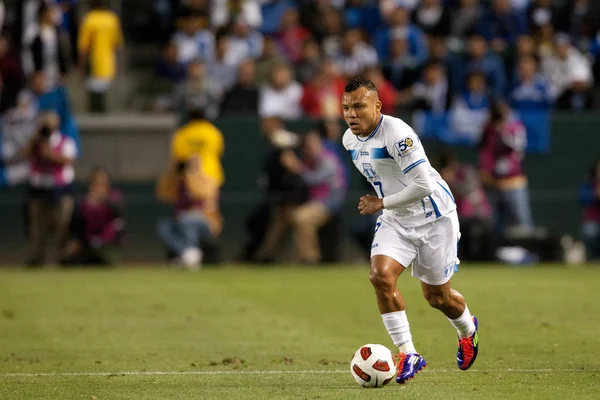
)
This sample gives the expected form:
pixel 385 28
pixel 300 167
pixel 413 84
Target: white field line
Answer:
pixel 272 372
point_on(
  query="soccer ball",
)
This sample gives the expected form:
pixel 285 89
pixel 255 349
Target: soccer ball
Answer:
pixel 373 366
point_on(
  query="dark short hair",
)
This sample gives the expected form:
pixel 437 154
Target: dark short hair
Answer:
pixel 359 82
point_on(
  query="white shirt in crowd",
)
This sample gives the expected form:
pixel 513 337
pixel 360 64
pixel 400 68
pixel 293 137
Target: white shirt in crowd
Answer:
pixel 283 103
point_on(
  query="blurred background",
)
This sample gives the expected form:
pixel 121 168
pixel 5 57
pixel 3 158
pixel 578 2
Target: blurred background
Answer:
pixel 172 131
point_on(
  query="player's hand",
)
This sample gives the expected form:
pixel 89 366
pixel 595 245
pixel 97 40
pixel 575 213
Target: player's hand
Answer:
pixel 370 205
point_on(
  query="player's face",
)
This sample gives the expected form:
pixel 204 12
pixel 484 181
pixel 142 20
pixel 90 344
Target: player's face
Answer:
pixel 362 110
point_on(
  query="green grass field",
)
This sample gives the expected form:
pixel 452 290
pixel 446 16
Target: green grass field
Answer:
pixel 240 333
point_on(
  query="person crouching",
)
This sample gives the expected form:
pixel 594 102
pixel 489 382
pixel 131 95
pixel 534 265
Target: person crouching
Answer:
pixel 197 218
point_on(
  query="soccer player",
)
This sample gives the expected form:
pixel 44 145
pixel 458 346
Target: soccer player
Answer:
pixel 418 226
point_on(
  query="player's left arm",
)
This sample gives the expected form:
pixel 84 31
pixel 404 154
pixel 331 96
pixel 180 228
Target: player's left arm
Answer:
pixel 408 153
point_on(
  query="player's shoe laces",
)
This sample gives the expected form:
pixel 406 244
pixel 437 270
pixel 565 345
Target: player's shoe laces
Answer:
pixel 467 349
pixel 408 365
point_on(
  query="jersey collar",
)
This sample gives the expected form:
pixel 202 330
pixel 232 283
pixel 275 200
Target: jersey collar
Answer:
pixel 372 133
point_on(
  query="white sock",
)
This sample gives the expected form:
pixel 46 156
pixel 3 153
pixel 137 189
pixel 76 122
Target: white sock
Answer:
pixel 464 324
pixel 397 326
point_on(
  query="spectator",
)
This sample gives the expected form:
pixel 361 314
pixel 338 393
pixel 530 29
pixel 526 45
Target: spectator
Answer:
pixel 282 97
pixel 559 67
pixel 242 98
pixel 11 74
pixel 169 68
pixel 272 15
pixel 323 173
pixel 197 219
pixel 402 68
pixel 531 91
pixel 501 25
pixel 49 199
pixel 541 13
pixel 478 58
pixel 399 24
pixel 222 68
pixel 313 15
pixel 97 226
pixel 244 42
pixel 361 14
pixel 269 58
pixel 589 197
pixel 99 38
pixel 501 155
pixel 46 49
pixel 525 48
pixel 386 91
pixel 432 94
pixel 472 205
pixel 292 35
pixel 470 110
pixel 356 55
pixel 200 138
pixel 283 191
pixel 579 96
pixel 464 19
pixel 321 98
pixel 309 62
pixel 433 18
pixel 333 36
pixel 225 11
pixel 192 41
pixel 198 87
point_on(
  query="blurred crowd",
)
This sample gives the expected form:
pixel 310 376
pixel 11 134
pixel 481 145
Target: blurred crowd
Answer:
pixel 484 63
pixel 290 58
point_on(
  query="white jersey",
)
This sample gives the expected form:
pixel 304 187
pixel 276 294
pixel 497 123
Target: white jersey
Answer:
pixel 385 157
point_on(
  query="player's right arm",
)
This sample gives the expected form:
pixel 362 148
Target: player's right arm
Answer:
pixel 409 154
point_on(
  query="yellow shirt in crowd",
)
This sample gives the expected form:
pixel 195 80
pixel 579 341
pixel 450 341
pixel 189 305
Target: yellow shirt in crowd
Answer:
pixel 100 36
pixel 203 139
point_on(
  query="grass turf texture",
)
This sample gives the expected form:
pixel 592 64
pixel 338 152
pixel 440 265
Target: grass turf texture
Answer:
pixel 235 333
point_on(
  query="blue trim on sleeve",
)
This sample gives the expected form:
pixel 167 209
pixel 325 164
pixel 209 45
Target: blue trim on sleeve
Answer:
pixel 411 166
pixel 447 191
pixel 435 208
pixel 353 154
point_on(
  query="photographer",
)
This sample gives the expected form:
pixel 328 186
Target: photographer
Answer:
pixel 49 200
pixel 197 219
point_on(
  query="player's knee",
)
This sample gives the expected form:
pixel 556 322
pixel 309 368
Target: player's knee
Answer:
pixel 438 300
pixel 382 279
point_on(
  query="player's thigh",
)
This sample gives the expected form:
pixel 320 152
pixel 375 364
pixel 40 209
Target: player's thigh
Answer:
pixel 391 243
pixel 438 251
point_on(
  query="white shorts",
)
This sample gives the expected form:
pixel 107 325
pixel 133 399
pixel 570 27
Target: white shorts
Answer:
pixel 431 248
